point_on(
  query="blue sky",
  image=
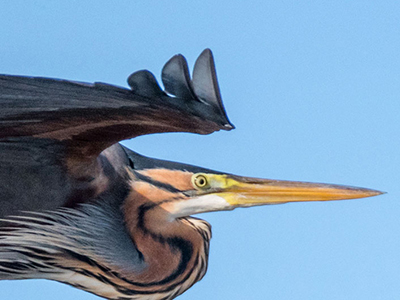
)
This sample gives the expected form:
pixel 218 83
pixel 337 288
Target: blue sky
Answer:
pixel 313 88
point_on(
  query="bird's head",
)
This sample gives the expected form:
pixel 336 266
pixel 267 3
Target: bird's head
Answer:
pixel 183 190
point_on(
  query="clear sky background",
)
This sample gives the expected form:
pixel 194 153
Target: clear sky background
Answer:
pixel 313 88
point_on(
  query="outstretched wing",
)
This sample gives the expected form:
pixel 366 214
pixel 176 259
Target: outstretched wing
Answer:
pixel 87 118
pixel 52 131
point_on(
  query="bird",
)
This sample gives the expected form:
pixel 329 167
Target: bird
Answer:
pixel 78 207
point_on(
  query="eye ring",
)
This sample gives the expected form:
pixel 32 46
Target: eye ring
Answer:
pixel 200 181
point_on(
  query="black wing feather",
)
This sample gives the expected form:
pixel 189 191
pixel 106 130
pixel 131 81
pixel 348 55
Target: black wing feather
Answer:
pixel 95 116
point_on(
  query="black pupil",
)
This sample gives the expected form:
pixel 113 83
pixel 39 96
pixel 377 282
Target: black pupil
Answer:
pixel 202 181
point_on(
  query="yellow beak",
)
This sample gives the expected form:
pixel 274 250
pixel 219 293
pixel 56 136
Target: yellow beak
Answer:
pixel 243 191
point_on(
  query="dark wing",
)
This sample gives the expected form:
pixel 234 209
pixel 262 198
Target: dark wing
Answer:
pixel 50 123
pixel 95 116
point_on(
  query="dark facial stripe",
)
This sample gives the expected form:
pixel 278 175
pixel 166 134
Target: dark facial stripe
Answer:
pixel 158 184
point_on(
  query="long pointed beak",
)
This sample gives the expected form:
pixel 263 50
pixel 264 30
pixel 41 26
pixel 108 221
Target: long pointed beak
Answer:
pixel 243 191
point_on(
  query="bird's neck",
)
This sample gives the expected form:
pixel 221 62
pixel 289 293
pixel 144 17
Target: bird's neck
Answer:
pixel 175 251
pixel 115 250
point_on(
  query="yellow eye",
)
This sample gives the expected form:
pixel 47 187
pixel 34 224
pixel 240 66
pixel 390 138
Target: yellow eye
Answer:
pixel 200 181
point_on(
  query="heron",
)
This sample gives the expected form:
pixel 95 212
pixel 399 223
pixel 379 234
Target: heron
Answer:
pixel 79 208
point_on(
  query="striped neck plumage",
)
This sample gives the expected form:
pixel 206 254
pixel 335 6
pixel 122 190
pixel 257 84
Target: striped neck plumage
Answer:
pixel 95 249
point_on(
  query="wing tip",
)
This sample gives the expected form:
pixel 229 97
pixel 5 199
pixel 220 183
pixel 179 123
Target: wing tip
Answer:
pixel 199 94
